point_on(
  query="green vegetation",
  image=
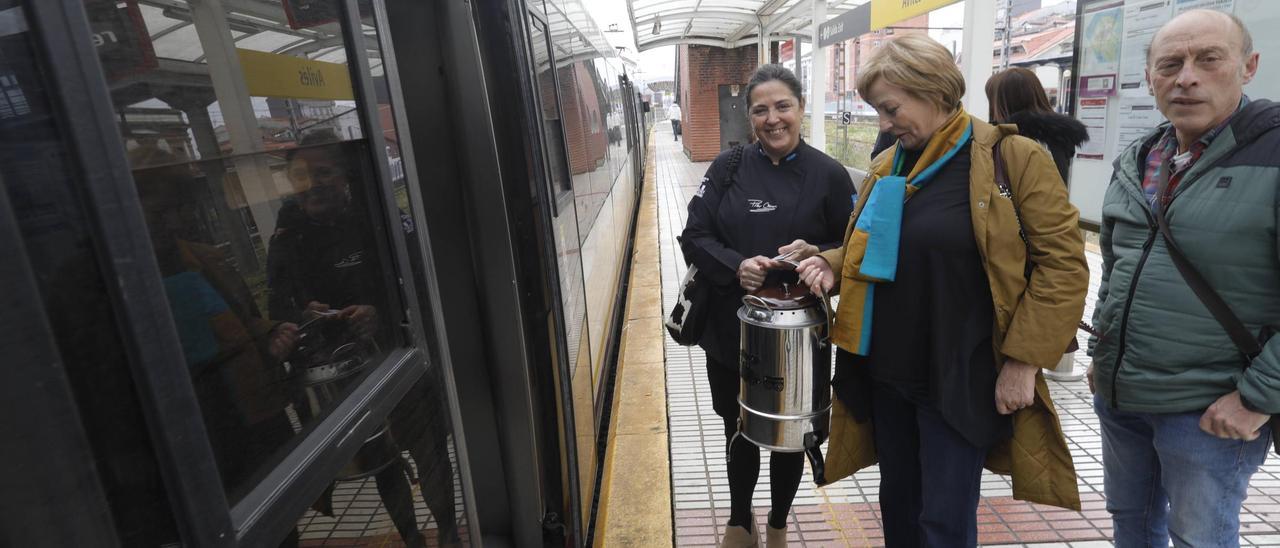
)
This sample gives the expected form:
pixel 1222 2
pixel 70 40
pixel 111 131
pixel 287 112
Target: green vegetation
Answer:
pixel 851 144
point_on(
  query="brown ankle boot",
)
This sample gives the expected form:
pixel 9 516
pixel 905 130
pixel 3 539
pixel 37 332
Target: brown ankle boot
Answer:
pixel 775 538
pixel 736 536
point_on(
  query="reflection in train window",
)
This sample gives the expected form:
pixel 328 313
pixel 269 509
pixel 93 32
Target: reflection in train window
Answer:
pixel 270 350
pixel 402 488
pixel 552 127
pixel 251 167
pixel 42 182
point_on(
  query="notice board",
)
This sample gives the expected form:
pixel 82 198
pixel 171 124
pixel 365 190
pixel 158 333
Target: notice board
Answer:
pixel 1109 91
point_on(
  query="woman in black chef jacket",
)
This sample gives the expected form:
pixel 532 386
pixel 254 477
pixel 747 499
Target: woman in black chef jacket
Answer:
pixel 786 197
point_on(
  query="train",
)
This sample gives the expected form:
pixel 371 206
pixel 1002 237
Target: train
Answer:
pixel 311 272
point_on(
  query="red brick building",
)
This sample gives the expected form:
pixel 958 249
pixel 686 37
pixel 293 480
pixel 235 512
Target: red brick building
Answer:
pixel 855 52
pixel 702 70
pixel 582 103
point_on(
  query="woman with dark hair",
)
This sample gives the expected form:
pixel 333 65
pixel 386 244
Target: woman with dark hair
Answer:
pixel 785 197
pixel 1016 97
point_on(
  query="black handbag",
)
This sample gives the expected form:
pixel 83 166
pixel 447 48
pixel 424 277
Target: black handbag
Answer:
pixel 1249 345
pixel 688 318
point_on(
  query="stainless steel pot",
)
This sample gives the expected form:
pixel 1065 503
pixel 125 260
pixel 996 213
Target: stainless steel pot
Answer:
pixel 784 365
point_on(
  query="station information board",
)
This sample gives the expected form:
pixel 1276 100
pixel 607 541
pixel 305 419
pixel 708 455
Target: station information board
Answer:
pixel 1109 92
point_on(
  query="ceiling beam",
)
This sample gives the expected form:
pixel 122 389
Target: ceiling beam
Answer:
pixel 743 16
pixel 800 9
pixel 676 40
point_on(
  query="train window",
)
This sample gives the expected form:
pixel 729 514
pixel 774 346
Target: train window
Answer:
pixel 558 110
pixel 250 164
pixel 378 498
pixel 41 179
pixel 552 128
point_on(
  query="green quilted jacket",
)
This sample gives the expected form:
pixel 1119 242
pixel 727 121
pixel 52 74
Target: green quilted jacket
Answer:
pixel 1161 350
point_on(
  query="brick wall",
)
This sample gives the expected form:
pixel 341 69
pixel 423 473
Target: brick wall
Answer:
pixel 703 69
pixel 584 127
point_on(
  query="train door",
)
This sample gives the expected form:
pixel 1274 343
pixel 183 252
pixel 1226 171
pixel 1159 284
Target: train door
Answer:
pixel 218 249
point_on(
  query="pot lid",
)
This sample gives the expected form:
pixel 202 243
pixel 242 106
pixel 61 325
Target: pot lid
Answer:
pixel 786 296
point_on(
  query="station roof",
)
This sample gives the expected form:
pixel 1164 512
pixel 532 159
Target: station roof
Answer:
pixel 724 23
pixel 255 25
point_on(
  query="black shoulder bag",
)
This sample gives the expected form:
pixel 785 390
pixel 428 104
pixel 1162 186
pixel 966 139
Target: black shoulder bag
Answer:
pixel 1248 345
pixel 688 318
pixel 1002 182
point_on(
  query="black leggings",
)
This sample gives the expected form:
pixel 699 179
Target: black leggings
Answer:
pixel 785 469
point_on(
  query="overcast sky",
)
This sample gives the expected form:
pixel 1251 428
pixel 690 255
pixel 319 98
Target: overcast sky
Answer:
pixel 655 64
pixel 659 63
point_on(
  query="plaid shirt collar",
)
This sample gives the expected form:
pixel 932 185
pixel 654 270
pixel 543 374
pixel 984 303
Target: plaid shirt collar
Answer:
pixel 1166 149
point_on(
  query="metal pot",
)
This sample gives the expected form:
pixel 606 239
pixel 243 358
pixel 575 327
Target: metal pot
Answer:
pixel 784 365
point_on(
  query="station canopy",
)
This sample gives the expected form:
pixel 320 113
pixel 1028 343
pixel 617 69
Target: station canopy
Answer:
pixel 725 23
pixel 255 25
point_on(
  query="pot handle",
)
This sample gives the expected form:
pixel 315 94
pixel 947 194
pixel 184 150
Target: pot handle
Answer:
pixel 752 300
pixel 826 312
pixel 813 450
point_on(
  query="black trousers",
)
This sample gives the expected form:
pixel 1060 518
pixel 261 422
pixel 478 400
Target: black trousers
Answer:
pixel 675 128
pixel 930 475
pixel 743 457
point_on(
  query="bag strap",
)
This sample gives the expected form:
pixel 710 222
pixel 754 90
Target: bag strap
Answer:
pixel 1245 342
pixel 1006 190
pixel 731 175
pixel 735 159
pixel 1002 183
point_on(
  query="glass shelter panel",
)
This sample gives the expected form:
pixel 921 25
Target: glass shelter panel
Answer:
pixel 263 208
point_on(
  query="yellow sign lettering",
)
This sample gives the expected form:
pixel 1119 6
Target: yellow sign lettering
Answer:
pixel 275 75
pixel 885 13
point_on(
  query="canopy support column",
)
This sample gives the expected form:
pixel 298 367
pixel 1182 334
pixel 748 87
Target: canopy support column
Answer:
pixel 818 88
pixel 799 57
pixel 975 53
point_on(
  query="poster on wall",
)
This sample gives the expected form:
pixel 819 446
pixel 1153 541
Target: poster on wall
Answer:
pixel 1102 25
pixel 1137 116
pixel 1220 5
pixel 1093 114
pixel 1098 86
pixel 1142 18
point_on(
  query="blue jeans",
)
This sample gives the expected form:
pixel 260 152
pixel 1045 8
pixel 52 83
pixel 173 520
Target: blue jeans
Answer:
pixel 1167 479
pixel 930 476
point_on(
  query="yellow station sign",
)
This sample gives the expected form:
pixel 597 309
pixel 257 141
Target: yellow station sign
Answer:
pixel 885 13
pixel 275 75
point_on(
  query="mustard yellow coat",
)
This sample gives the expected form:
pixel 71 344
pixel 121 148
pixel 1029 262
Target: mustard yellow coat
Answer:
pixel 1035 318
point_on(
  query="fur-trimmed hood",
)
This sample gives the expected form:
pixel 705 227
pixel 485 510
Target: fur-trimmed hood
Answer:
pixel 1050 128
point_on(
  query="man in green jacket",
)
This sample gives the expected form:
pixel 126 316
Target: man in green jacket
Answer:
pixel 1184 414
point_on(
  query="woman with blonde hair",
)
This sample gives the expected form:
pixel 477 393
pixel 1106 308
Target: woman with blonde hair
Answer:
pixel 946 316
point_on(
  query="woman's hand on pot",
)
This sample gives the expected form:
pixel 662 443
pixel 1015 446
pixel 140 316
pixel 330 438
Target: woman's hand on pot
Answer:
pixel 751 272
pixel 799 250
pixel 282 340
pixel 1015 387
pixel 816 273
pixel 361 318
